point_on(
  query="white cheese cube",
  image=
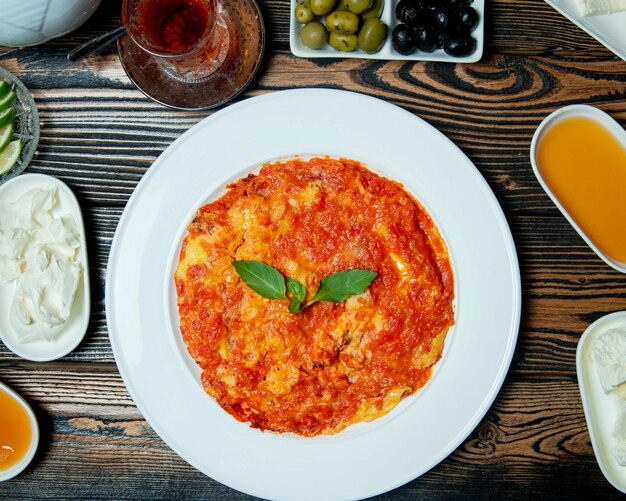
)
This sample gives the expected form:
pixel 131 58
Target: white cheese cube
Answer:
pixel 609 352
pixel 619 453
pixel 619 431
pixel 599 7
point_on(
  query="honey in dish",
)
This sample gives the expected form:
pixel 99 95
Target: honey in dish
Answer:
pixel 16 432
pixel 585 167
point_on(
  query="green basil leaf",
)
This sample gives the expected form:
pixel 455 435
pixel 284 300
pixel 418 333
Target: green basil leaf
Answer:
pixel 262 278
pixel 341 285
pixel 296 289
pixel 270 283
pixel 295 307
pixel 297 292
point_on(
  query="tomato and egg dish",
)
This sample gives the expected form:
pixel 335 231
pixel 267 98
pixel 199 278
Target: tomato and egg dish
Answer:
pixel 333 364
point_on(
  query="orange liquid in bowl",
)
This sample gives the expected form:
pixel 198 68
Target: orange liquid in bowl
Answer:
pixel 585 167
pixel 16 431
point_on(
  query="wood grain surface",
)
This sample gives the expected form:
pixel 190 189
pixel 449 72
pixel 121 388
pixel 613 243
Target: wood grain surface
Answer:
pixel 100 135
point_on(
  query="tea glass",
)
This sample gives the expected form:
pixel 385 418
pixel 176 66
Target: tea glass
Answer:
pixel 191 63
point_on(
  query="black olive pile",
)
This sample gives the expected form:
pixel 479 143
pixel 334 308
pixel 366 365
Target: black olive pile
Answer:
pixel 428 25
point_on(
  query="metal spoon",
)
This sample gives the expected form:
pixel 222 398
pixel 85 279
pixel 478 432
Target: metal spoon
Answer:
pixel 96 44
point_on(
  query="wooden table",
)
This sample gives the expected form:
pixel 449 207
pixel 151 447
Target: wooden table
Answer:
pixel 100 135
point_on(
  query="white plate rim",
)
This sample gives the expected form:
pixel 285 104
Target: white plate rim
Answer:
pixel 511 262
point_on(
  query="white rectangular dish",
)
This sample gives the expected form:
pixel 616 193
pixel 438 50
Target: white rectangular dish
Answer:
pixel 576 111
pixel 387 51
pixel 607 29
pixel 601 410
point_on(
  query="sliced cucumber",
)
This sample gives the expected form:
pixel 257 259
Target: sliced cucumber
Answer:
pixel 10 156
pixel 7 101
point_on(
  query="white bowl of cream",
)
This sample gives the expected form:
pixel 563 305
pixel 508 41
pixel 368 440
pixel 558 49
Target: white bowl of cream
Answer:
pixel 44 274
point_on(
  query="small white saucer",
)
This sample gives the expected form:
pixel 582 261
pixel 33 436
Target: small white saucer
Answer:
pixel 19 467
pixel 76 326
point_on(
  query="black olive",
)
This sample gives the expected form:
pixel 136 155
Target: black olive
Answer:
pixel 422 4
pixel 467 18
pixel 404 9
pixel 433 5
pixel 403 39
pixel 412 14
pixel 441 40
pixel 459 45
pixel 455 4
pixel 427 39
pixel 445 21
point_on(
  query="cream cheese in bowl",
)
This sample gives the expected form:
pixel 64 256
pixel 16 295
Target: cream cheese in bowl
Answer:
pixel 44 278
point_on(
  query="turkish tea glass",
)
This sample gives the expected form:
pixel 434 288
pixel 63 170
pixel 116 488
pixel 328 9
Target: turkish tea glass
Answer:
pixel 188 38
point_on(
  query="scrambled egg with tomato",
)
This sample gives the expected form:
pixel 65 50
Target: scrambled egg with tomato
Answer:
pixel 334 364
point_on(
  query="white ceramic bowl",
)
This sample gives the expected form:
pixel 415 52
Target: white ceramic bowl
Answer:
pixel 19 467
pixel 601 410
pixel 31 22
pixel 577 110
pixel 74 329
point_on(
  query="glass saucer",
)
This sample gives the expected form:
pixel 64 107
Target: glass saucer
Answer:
pixel 247 42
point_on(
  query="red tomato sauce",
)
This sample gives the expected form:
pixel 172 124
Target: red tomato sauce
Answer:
pixel 341 362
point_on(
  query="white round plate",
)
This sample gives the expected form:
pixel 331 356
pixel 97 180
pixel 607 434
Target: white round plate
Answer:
pixel 365 459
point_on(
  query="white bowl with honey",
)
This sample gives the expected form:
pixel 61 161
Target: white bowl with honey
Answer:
pixel 578 154
pixel 19 433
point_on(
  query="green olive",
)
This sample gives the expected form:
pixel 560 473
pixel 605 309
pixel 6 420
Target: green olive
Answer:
pixel 342 5
pixel 358 6
pixel 344 43
pixel 343 22
pixel 322 7
pixel 372 35
pixel 304 14
pixel 313 35
pixel 374 11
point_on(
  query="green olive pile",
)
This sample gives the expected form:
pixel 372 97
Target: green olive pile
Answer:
pixel 344 24
pixel 427 25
